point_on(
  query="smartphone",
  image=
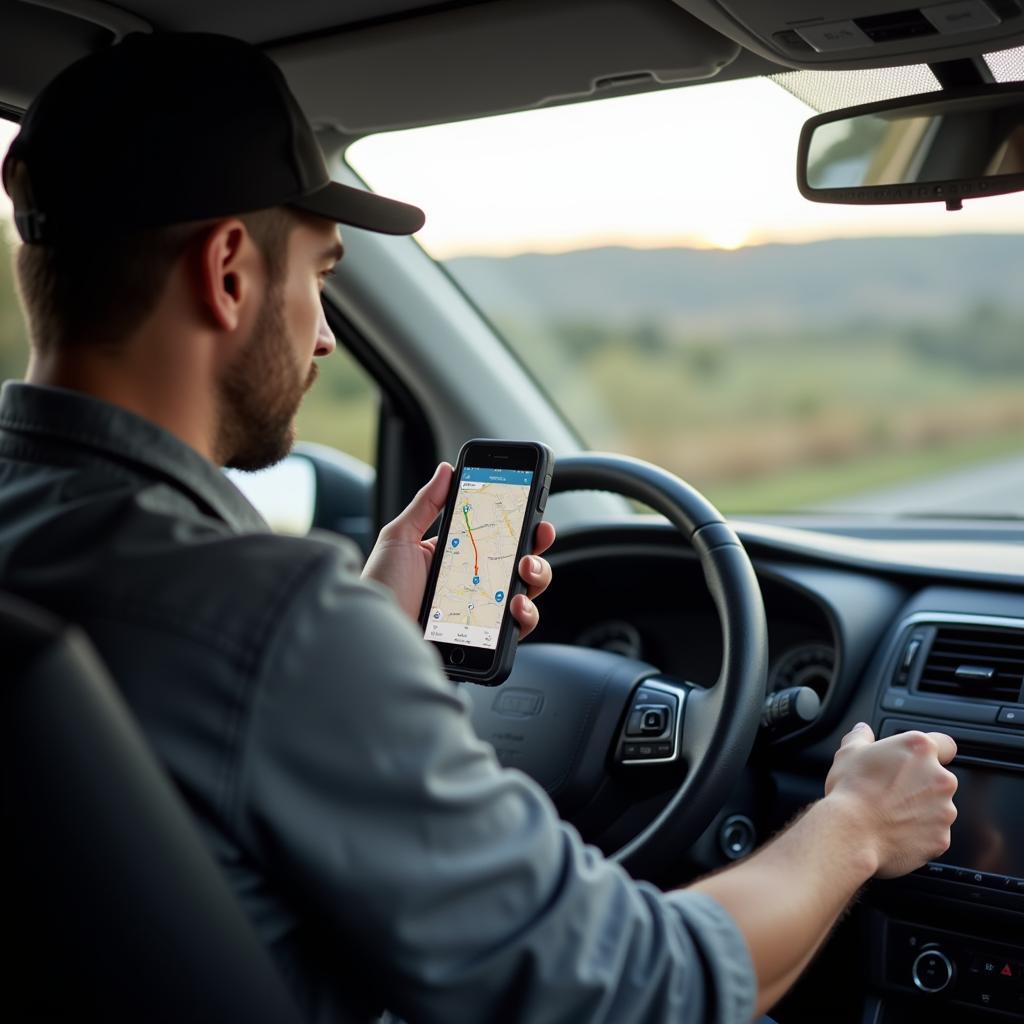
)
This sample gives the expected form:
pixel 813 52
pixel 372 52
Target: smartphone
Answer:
pixel 497 499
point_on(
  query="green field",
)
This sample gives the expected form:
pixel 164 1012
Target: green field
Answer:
pixel 767 422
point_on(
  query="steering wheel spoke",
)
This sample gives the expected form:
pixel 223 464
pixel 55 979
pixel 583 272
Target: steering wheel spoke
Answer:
pixel 574 717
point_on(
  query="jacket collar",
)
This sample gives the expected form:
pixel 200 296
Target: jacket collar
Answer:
pixel 80 422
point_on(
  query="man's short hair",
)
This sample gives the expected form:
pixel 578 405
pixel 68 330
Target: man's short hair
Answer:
pixel 99 291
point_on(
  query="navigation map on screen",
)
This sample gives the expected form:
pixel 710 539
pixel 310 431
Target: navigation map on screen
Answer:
pixel 479 557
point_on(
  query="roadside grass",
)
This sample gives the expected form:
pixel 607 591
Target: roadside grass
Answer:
pixel 809 487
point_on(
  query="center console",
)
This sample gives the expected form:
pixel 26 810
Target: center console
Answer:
pixel 948 941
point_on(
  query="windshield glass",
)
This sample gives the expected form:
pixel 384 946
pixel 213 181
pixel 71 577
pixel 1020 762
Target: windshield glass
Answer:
pixel 652 262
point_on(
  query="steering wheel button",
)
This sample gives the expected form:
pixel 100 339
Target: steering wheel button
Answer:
pixel 634 727
pixel 654 721
pixel 663 749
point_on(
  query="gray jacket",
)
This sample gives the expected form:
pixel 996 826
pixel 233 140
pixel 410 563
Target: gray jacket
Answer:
pixel 377 845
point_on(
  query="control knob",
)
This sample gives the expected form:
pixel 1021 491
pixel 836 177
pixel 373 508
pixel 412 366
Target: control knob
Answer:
pixel 933 971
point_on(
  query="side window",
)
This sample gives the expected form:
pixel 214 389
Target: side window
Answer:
pixel 341 409
pixel 318 487
pixel 13 333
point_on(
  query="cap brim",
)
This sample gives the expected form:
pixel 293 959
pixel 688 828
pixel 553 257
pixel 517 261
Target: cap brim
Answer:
pixel 362 209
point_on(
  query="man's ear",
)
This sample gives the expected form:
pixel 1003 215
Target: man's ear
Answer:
pixel 227 270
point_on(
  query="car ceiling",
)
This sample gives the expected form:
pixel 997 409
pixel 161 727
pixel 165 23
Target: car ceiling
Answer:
pixel 361 66
pixel 271 20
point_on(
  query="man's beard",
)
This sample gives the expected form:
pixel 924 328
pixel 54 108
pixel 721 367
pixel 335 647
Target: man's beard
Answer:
pixel 260 393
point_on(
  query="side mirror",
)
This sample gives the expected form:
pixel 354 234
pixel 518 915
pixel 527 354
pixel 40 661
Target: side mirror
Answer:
pixel 941 147
pixel 315 486
pixel 284 494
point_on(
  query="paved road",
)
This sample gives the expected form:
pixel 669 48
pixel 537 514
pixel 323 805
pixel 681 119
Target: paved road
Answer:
pixel 995 487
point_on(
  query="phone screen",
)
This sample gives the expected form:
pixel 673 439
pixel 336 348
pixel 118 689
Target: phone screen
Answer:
pixel 478 557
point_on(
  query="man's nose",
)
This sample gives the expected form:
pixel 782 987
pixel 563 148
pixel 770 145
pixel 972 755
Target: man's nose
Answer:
pixel 325 343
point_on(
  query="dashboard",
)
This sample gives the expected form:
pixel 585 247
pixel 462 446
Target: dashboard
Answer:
pixel 915 632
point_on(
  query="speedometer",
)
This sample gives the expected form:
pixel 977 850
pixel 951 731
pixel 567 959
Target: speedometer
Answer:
pixel 810 665
pixel 616 636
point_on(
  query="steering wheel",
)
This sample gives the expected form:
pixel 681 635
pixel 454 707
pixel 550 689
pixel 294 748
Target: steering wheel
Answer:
pixel 589 724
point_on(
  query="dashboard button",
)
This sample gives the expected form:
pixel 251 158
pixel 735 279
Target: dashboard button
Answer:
pixel 737 836
pixel 992 881
pixel 1009 972
pixel 932 971
pixel 939 707
pixel 894 700
pixel 1011 716
pixel 985 965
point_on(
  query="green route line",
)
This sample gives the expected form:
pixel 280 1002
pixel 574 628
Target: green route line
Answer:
pixel 476 553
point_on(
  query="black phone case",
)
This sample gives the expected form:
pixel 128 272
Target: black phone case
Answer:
pixel 508 640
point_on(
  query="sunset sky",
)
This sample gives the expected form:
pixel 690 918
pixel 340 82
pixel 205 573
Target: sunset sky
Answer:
pixel 709 166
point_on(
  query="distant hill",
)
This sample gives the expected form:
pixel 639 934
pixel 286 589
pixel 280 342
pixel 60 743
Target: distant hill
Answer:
pixel 773 286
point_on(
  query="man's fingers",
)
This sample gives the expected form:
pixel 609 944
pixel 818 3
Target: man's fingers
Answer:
pixel 543 537
pixel 423 509
pixel 946 746
pixel 859 735
pixel 536 573
pixel 524 611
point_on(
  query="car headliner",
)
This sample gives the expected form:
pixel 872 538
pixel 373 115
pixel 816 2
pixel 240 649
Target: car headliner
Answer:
pixel 373 65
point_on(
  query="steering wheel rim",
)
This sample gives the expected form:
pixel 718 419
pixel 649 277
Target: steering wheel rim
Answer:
pixel 720 723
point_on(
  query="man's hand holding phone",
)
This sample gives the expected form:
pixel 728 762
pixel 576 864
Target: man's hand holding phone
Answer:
pixel 401 558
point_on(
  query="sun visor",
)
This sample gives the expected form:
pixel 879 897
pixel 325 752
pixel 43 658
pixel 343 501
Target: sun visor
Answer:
pixel 496 57
pixel 838 34
pixel 42 37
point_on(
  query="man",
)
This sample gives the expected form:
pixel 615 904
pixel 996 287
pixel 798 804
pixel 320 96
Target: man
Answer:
pixel 178 223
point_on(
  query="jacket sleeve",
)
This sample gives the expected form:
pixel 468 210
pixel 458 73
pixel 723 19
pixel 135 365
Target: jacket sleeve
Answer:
pixel 364 791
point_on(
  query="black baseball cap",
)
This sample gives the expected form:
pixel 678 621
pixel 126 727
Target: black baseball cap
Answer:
pixel 166 128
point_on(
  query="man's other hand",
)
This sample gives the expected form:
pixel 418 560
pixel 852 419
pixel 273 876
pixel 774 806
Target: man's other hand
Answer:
pixel 401 557
pixel 900 793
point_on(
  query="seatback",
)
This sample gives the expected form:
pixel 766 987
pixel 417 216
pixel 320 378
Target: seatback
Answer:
pixel 114 909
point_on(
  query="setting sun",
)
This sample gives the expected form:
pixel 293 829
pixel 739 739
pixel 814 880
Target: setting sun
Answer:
pixel 726 236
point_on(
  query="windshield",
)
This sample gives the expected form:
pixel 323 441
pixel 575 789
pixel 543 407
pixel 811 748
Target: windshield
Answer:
pixel 652 262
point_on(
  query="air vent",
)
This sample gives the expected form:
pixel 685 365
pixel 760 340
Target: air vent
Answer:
pixel 975 664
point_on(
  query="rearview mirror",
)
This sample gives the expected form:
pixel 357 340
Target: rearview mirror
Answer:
pixel 941 147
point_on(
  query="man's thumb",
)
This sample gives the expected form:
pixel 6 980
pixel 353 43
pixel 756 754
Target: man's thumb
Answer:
pixel 859 735
pixel 425 507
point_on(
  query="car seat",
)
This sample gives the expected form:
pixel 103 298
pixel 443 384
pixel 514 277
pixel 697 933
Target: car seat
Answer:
pixel 115 910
